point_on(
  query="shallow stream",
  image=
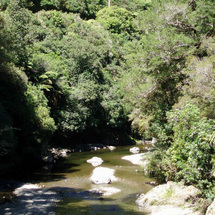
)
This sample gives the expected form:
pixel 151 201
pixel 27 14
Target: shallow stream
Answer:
pixel 70 180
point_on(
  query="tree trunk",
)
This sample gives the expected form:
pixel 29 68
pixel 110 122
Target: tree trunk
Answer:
pixel 108 3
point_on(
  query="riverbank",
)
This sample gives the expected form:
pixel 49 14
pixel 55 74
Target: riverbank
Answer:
pixel 170 198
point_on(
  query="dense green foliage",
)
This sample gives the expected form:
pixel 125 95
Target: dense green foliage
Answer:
pixel 55 81
pixel 191 155
pixel 73 69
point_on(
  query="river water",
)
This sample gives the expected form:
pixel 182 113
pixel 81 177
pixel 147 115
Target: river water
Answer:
pixel 68 182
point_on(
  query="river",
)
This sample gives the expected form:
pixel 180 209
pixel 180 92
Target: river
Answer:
pixel 66 189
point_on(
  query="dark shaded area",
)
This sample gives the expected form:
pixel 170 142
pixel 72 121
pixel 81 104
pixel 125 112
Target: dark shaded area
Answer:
pixel 42 201
pixel 102 205
pixel 16 178
pixel 82 141
pixel 72 201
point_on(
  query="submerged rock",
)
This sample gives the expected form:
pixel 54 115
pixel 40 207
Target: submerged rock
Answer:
pixel 171 198
pixel 103 175
pixel 95 161
pixel 134 150
pixel 105 191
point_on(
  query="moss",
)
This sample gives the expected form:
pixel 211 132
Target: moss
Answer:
pixel 169 192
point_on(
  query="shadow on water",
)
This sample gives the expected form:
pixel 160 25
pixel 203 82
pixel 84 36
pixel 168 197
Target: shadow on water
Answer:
pixel 97 209
pixel 81 202
pixel 39 201
pixel 47 173
pixel 66 184
pixel 51 173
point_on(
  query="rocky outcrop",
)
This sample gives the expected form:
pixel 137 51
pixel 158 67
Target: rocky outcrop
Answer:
pixel 134 150
pixel 103 175
pixel 211 209
pixel 172 210
pixel 171 198
pixel 95 161
pixel 59 153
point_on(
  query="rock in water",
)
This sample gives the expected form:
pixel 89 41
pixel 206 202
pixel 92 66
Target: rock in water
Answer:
pixel 105 191
pixel 112 148
pixel 95 161
pixel 103 175
pixel 134 150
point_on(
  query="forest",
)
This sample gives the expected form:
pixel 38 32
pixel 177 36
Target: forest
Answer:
pixel 74 72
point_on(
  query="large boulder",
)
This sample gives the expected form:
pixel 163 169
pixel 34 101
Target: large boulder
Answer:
pixel 171 198
pixel 172 210
pixel 211 209
pixel 103 175
pixel 60 153
pixel 134 150
pixel 95 161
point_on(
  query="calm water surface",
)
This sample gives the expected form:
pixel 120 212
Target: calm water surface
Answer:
pixel 70 178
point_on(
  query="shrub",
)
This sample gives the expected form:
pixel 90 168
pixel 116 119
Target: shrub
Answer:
pixel 190 157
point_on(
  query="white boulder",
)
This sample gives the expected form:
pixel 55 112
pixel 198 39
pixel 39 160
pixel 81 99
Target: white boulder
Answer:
pixel 95 161
pixel 211 209
pixel 134 150
pixel 172 210
pixel 112 148
pixel 105 191
pixel 103 175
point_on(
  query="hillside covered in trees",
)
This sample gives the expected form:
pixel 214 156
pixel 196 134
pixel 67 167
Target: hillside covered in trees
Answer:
pixel 79 71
